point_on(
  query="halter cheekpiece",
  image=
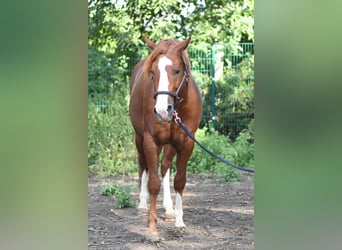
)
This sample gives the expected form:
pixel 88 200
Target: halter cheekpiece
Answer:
pixel 175 94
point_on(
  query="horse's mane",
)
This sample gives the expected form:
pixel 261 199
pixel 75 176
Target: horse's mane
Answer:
pixel 161 48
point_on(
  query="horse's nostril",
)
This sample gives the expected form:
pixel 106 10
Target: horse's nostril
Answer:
pixel 169 108
pixel 155 111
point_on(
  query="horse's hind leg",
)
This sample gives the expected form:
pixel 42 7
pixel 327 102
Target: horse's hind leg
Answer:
pixel 143 175
pixel 166 167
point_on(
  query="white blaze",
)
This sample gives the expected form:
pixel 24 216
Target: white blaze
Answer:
pixel 179 211
pixel 167 201
pixel 162 99
pixel 143 191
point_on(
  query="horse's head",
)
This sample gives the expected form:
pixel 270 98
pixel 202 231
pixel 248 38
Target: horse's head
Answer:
pixel 168 69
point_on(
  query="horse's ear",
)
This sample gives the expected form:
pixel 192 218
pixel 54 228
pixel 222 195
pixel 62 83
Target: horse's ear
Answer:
pixel 184 44
pixel 149 43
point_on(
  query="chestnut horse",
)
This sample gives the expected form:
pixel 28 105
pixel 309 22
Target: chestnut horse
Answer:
pixel 161 87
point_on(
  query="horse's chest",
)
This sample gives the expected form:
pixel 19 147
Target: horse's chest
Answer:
pixel 168 137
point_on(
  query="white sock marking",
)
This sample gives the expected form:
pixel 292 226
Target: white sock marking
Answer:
pixel 179 211
pixel 167 202
pixel 144 194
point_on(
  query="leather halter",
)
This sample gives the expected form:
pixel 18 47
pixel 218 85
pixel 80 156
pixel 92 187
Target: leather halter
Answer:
pixel 177 98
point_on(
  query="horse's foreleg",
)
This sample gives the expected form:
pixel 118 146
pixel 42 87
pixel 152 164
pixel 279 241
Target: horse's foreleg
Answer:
pixel 179 183
pixel 153 187
pixel 152 152
pixel 166 167
pixel 179 211
pixel 180 180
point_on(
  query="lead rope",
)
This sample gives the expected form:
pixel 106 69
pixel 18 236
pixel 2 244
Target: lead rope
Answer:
pixel 188 133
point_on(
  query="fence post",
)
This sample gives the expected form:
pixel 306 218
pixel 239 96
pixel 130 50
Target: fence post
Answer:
pixel 213 87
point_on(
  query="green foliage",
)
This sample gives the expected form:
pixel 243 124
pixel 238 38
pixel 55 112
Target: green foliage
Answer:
pixel 223 21
pixel 122 195
pixel 106 71
pixel 110 138
pixel 234 100
pixel 241 153
pixel 244 147
pixel 209 22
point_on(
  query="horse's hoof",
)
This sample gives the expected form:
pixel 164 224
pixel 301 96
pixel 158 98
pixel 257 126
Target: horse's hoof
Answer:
pixel 152 237
pixel 169 217
pixel 179 224
pixel 180 229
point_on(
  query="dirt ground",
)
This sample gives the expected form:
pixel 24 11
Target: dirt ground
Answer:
pixel 217 215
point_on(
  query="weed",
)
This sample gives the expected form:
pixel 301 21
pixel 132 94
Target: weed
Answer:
pixel 121 194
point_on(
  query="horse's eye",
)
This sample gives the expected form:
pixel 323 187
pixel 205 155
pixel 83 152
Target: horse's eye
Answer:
pixel 176 72
pixel 152 74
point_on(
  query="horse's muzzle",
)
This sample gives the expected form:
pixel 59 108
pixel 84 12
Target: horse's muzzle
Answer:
pixel 164 115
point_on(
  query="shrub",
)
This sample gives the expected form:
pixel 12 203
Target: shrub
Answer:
pixel 201 162
pixel 105 71
pixel 110 138
pixel 241 153
pixel 244 146
pixel 234 100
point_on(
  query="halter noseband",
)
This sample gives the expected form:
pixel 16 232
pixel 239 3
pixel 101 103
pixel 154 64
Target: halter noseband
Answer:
pixel 175 95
